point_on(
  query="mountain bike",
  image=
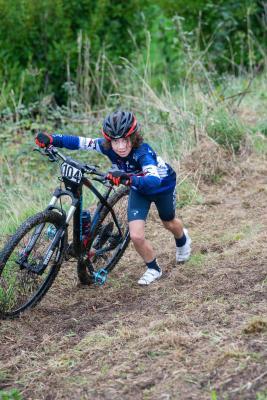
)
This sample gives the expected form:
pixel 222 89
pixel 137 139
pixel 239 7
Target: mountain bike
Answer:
pixel 31 258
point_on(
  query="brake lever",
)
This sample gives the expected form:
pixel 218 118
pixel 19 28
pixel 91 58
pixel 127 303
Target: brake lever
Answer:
pixel 52 158
pixel 39 151
pixel 48 154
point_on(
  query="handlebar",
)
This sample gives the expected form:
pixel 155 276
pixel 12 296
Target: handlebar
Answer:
pixel 55 155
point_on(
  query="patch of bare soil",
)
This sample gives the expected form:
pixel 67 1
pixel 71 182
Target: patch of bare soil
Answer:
pixel 201 328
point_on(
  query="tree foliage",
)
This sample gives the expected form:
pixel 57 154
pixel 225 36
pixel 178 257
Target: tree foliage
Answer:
pixel 40 48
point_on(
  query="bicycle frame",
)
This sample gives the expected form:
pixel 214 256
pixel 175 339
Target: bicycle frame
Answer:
pixel 73 189
pixel 42 239
pixel 75 192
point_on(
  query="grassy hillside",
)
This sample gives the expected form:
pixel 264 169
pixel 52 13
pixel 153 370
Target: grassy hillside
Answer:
pixel 231 113
pixel 199 332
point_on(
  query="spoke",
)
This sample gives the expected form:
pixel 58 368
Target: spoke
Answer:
pixel 18 284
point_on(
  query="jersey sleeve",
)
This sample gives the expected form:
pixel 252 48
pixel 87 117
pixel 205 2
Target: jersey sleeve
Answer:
pixel 151 178
pixel 78 143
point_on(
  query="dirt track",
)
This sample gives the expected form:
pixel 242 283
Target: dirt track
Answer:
pixel 202 327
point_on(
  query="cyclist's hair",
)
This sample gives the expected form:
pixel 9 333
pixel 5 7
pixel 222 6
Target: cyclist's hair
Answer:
pixel 136 140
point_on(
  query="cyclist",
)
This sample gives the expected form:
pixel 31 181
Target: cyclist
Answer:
pixel 129 155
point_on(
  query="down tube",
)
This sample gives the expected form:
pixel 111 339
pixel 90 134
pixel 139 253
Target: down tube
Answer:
pixel 103 201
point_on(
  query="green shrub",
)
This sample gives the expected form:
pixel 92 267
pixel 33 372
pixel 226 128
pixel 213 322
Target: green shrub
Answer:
pixel 38 57
pixel 261 395
pixel 226 129
pixel 262 127
pixel 12 394
pixel 187 193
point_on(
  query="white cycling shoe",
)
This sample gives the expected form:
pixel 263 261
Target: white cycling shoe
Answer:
pixel 149 276
pixel 183 253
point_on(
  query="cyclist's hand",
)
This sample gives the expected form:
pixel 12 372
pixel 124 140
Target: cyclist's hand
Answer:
pixel 43 139
pixel 119 177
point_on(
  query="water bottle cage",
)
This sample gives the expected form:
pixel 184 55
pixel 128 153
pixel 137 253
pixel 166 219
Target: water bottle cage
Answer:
pixel 100 277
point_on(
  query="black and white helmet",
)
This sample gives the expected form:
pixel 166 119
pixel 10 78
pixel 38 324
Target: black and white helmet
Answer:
pixel 119 124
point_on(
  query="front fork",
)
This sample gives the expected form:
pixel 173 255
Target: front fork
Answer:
pixel 23 260
pixel 70 213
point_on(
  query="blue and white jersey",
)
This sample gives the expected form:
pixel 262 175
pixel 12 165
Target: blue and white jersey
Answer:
pixel 157 176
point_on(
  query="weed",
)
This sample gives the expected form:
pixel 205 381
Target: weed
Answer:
pixel 104 369
pixel 7 290
pixel 213 395
pixel 197 260
pixel 245 233
pixel 4 375
pixel 216 178
pixel 259 143
pixel 226 129
pixel 70 334
pixel 63 363
pixel 154 354
pixel 262 127
pixel 241 355
pixel 187 193
pixel 257 325
pixel 261 395
pixel 12 394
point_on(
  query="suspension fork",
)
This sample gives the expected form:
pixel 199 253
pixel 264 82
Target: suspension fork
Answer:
pixel 37 232
pixel 72 212
pixel 52 205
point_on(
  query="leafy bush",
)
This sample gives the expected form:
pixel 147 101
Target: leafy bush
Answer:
pixel 47 43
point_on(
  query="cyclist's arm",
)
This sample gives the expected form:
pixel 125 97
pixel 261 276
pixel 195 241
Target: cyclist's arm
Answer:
pixel 151 178
pixel 78 143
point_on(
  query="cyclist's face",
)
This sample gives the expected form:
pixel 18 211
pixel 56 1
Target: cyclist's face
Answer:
pixel 122 146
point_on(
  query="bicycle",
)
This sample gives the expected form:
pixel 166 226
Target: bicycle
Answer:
pixel 32 257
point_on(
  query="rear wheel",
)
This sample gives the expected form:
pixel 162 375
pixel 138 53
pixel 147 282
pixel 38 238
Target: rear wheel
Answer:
pixel 24 279
pixel 108 244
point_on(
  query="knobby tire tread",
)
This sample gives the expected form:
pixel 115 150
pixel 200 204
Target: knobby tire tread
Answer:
pixel 83 275
pixel 25 227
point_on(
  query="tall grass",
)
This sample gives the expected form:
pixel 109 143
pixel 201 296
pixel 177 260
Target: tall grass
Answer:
pixel 173 120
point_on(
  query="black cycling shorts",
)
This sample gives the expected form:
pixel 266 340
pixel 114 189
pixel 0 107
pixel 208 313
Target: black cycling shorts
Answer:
pixel 139 205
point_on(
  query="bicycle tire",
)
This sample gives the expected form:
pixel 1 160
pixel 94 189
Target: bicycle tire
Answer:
pixel 118 200
pixel 20 287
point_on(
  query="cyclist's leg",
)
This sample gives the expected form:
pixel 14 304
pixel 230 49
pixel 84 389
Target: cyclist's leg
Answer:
pixel 138 207
pixel 166 204
pixel 141 244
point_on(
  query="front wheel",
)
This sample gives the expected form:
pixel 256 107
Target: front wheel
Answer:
pixel 30 262
pixel 108 245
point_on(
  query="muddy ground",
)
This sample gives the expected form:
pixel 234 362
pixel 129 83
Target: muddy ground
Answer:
pixel 198 333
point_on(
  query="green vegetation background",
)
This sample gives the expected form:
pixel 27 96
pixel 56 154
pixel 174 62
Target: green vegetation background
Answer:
pixel 188 70
pixel 191 70
pixel 48 46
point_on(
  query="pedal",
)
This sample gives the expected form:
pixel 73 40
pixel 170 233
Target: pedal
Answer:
pixel 100 277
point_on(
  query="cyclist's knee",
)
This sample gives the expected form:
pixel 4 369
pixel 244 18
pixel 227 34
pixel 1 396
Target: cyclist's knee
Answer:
pixel 137 237
pixel 168 224
pixel 173 225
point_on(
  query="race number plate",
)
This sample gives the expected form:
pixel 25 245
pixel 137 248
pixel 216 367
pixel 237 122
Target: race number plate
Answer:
pixel 71 173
